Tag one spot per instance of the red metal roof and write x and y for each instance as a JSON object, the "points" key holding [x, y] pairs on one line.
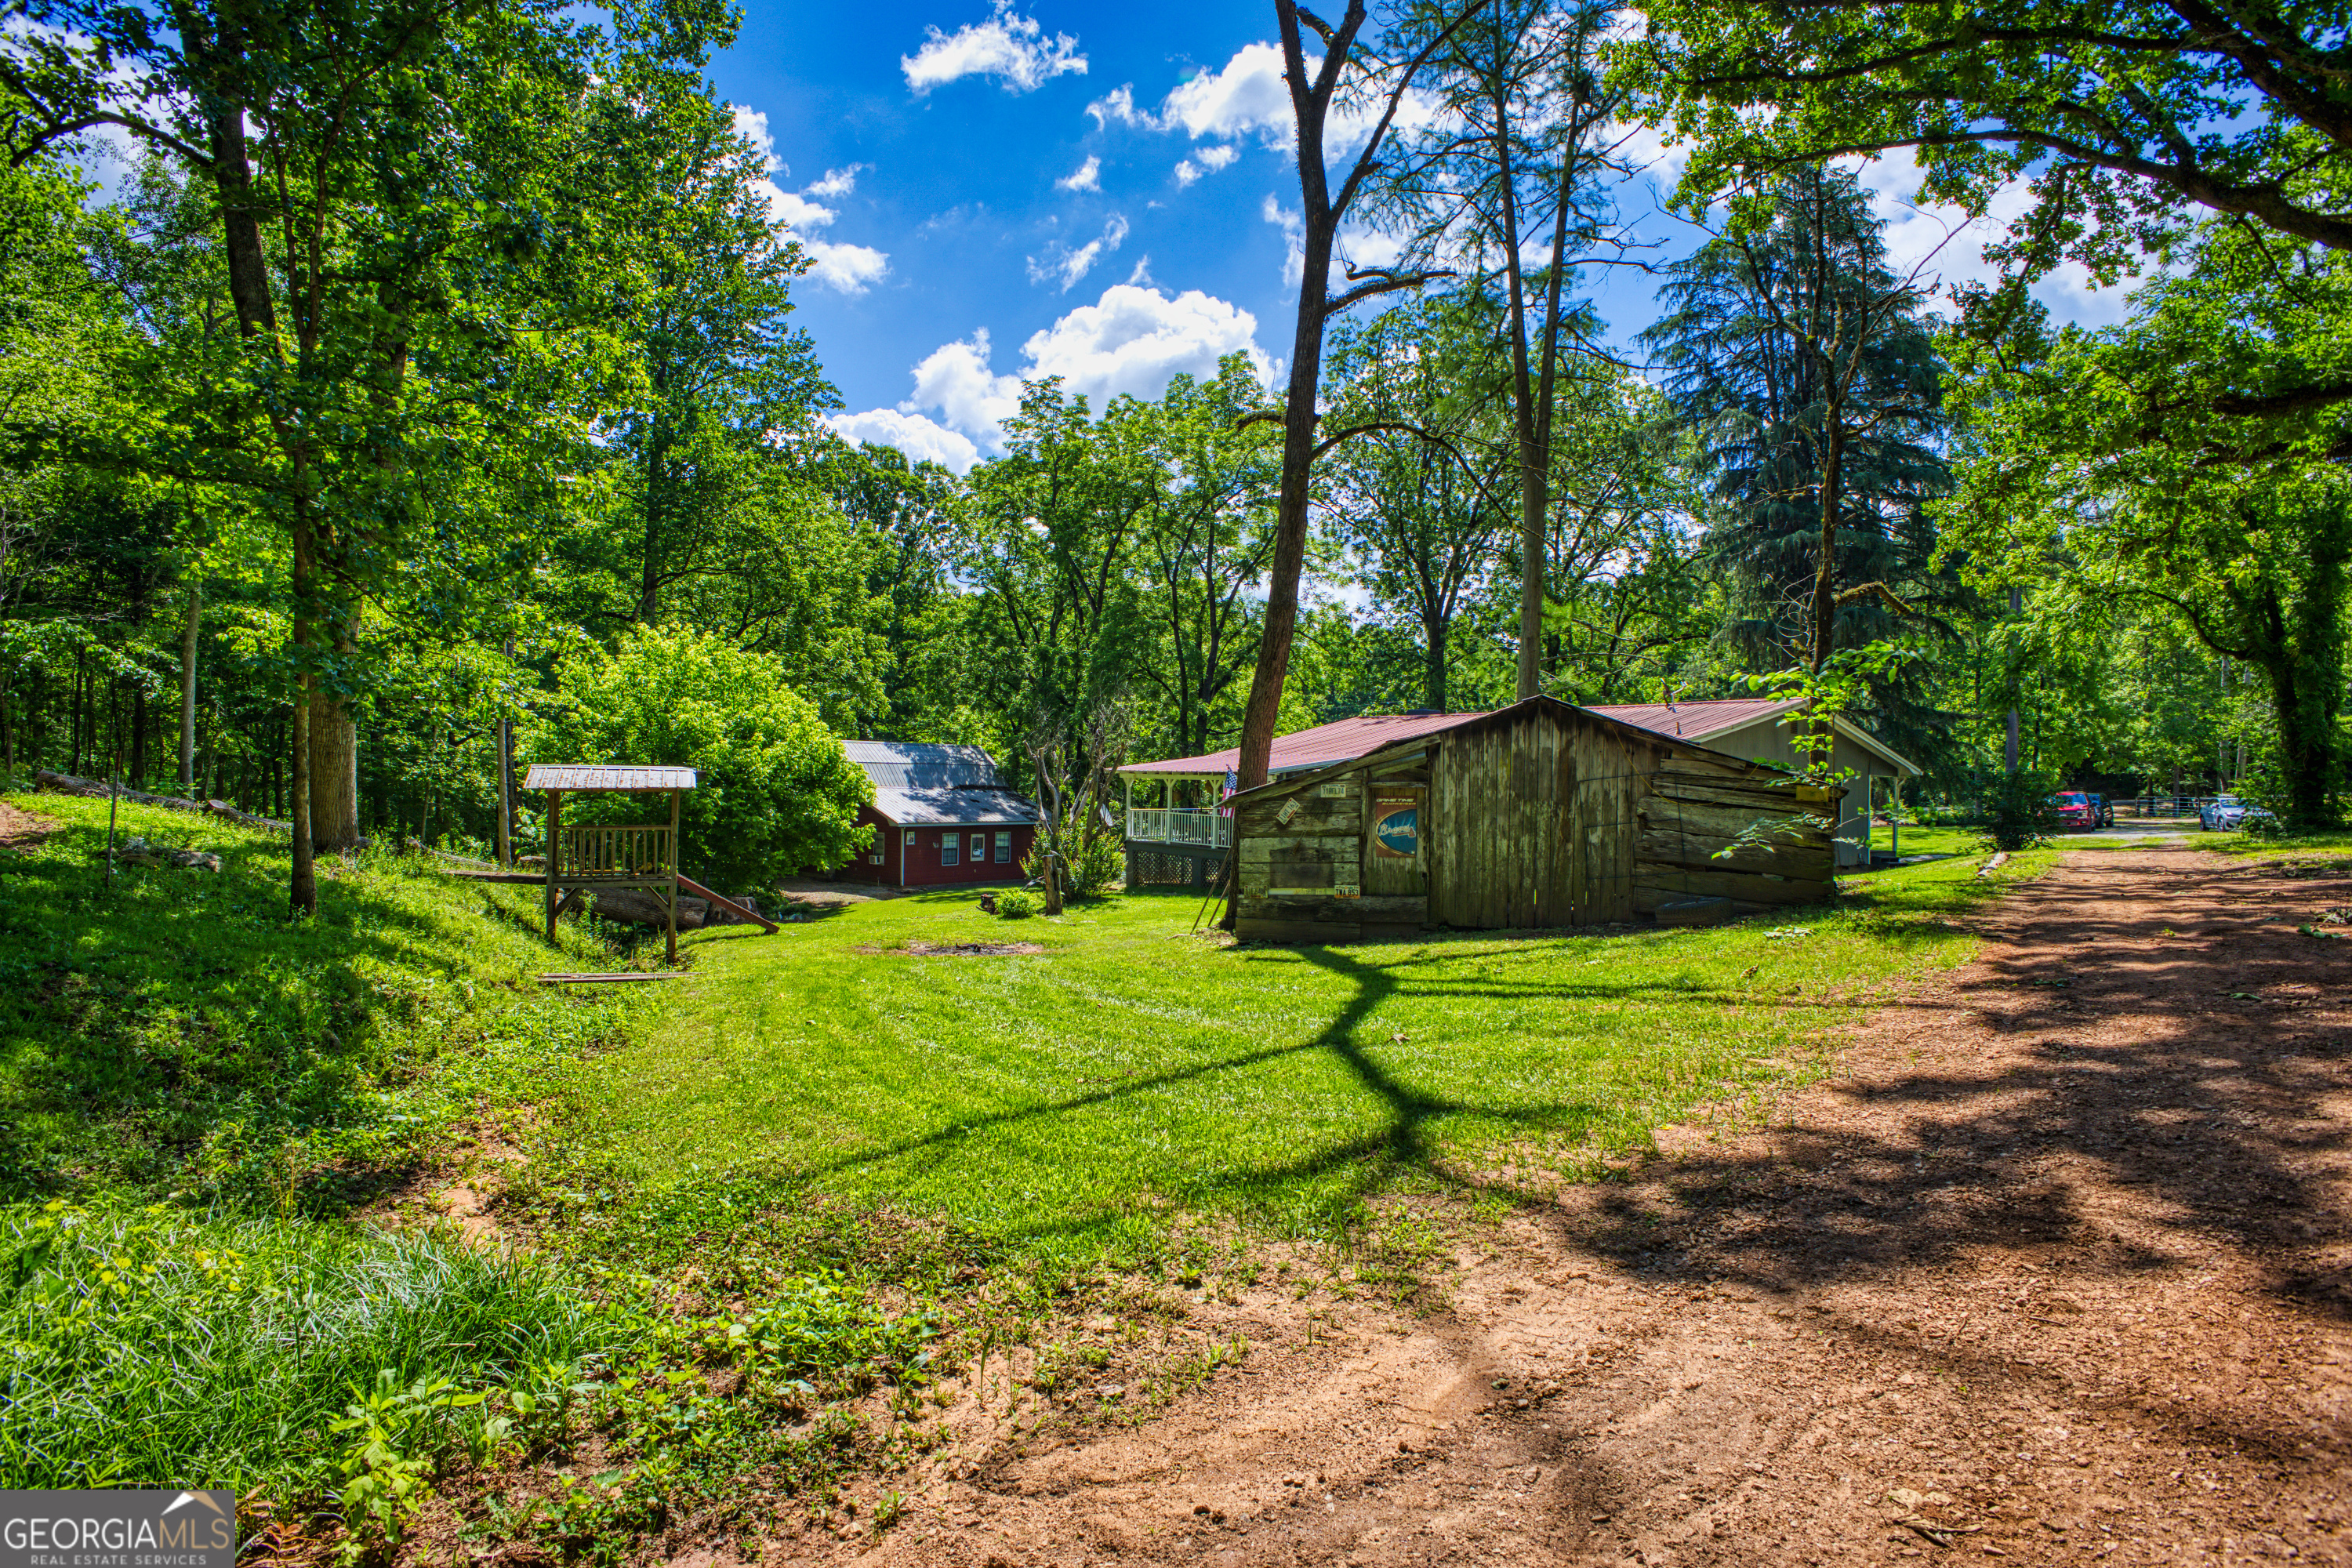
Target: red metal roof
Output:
{"points": [[1338, 741], [1696, 720]]}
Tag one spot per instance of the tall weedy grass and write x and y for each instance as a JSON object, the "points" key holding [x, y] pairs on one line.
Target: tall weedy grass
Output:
{"points": [[146, 1346]]}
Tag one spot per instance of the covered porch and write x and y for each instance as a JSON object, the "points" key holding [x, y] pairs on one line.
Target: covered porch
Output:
{"points": [[1175, 832]]}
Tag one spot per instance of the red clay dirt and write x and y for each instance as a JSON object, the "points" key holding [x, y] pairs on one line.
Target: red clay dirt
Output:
{"points": [[2052, 1269]]}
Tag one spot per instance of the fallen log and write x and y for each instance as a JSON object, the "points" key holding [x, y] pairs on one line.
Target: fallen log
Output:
{"points": [[730, 905], [624, 979], [636, 907], [98, 789]]}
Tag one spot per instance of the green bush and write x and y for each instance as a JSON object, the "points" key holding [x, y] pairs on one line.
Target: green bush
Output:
{"points": [[1092, 857], [1016, 904], [2017, 811], [777, 794]]}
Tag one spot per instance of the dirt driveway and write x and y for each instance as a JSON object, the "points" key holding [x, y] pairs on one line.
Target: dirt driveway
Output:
{"points": [[2054, 1269]]}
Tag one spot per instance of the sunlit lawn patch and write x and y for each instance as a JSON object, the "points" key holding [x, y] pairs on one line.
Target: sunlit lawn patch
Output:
{"points": [[1071, 1101]]}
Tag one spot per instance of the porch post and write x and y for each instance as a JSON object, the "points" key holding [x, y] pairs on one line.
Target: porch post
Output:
{"points": [[554, 852], [672, 958]]}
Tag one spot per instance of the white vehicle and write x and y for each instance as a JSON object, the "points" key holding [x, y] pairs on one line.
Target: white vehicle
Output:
{"points": [[2227, 812]]}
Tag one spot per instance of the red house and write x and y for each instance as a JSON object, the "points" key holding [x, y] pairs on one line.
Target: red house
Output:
{"points": [[942, 817]]}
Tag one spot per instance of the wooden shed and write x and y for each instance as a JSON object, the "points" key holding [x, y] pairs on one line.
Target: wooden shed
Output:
{"points": [[1541, 814]]}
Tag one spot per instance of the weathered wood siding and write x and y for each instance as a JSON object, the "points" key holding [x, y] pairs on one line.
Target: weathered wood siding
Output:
{"points": [[1532, 822], [1700, 803], [1539, 815]]}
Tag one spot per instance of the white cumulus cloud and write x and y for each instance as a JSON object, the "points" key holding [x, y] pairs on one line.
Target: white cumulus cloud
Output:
{"points": [[846, 268], [1248, 94], [1087, 177], [921, 438], [955, 379], [839, 182], [1070, 266], [1118, 108], [1008, 47], [1132, 340], [1207, 161]]}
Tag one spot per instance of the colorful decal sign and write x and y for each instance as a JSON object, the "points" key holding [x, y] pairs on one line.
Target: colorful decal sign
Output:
{"points": [[1396, 830]]}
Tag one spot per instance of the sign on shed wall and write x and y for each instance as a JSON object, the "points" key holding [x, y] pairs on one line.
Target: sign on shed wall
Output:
{"points": [[1396, 825]]}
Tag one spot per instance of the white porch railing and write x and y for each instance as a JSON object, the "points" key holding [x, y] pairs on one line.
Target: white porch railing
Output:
{"points": [[1179, 827]]}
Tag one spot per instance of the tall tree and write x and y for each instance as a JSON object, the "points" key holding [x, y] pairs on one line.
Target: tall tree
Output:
{"points": [[707, 311], [1517, 156], [2156, 462], [1420, 503], [400, 190], [1202, 539], [2131, 120], [1350, 62], [1806, 365]]}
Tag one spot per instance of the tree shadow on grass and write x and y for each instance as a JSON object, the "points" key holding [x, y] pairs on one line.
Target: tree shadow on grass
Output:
{"points": [[1402, 1151]]}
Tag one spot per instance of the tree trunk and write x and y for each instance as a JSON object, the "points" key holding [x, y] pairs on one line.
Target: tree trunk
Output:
{"points": [[1299, 418], [2306, 679], [506, 778], [188, 692], [2009, 756], [138, 736], [302, 889], [334, 759], [73, 717], [1433, 632], [1824, 608]]}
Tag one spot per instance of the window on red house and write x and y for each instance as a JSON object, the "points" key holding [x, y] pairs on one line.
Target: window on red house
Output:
{"points": [[1004, 846], [949, 845], [979, 848]]}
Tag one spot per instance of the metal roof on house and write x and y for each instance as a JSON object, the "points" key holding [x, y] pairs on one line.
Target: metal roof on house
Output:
{"points": [[1341, 740], [1701, 721], [593, 775], [955, 807], [915, 764]]}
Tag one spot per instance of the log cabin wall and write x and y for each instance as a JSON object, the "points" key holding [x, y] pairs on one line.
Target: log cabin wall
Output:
{"points": [[1540, 815], [1699, 803]]}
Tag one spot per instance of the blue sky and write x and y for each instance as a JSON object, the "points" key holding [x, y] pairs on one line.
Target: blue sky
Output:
{"points": [[990, 192]]}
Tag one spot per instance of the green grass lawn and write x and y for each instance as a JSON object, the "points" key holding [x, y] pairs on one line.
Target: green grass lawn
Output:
{"points": [[819, 1156], [176, 1032], [1076, 1099]]}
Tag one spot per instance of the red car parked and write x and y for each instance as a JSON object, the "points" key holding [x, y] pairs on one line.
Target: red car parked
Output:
{"points": [[2075, 809]]}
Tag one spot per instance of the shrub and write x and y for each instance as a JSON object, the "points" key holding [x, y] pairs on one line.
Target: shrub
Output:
{"points": [[1016, 904], [2017, 811], [1092, 857], [777, 792]]}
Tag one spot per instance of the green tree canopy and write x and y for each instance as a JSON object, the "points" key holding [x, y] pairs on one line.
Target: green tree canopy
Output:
{"points": [[777, 794]]}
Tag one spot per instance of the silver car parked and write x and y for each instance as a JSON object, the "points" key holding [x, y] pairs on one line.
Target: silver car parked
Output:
{"points": [[2227, 812]]}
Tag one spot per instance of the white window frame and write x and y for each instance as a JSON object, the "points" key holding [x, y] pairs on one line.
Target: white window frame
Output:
{"points": [[950, 845], [1004, 847]]}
